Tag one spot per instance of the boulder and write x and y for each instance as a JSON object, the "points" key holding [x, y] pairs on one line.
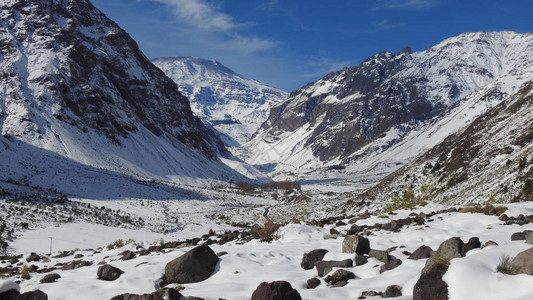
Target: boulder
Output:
{"points": [[451, 248], [76, 264], [277, 290], [33, 295], [360, 260], [162, 294], [523, 262], [473, 243], [313, 283], [489, 243], [356, 244], [380, 255], [392, 291], [430, 285], [194, 266], [49, 278], [33, 257], [127, 255], [109, 273], [529, 237], [324, 267], [520, 236], [338, 276], [9, 290], [421, 252], [311, 258], [392, 264]]}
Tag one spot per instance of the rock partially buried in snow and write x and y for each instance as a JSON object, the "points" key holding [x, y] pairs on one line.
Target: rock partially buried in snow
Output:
{"points": [[393, 291], [162, 294], [338, 276], [430, 285], [421, 253], [277, 290], [33, 295], [311, 258], [451, 248], [324, 267], [356, 244], [194, 266], [523, 262], [9, 289], [109, 273], [49, 278]]}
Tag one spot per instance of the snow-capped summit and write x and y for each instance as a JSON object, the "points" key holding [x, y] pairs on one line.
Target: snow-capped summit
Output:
{"points": [[375, 117], [77, 93], [236, 106]]}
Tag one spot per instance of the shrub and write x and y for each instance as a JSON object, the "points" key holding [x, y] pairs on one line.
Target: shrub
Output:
{"points": [[409, 200], [505, 265], [119, 243], [244, 186], [267, 232], [487, 209]]}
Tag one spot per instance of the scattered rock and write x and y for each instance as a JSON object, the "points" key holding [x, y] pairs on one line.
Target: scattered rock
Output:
{"points": [[489, 243], [49, 278], [365, 294], [79, 255], [523, 262], [451, 248], [313, 283], [75, 264], [430, 285], [127, 255], [324, 267], [520, 236], [162, 294], [194, 266], [421, 252], [9, 290], [356, 244], [380, 255], [33, 257], [360, 260], [109, 273], [219, 254], [473, 243], [340, 284], [194, 298], [392, 264], [277, 290], [33, 295], [339, 275], [310, 259], [393, 291]]}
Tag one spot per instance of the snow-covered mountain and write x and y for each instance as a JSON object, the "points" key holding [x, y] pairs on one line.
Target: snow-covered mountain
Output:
{"points": [[491, 159], [79, 102], [370, 119], [234, 105]]}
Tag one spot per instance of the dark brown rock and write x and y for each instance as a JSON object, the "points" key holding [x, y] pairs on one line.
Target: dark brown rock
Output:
{"points": [[109, 273], [430, 285], [393, 291], [339, 275], [313, 283], [49, 278], [324, 267], [310, 259], [194, 266], [421, 252], [392, 264], [277, 290]]}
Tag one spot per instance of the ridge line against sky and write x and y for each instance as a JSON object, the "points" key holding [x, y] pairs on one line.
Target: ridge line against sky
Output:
{"points": [[287, 44]]}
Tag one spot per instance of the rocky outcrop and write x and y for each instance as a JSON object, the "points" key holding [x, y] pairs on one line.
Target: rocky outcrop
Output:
{"points": [[109, 273], [355, 244], [277, 290]]}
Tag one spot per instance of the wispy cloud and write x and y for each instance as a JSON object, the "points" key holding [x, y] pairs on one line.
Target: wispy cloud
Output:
{"points": [[214, 27], [386, 25], [406, 4]]}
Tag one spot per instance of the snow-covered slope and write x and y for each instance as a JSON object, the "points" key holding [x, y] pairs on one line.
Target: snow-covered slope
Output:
{"points": [[236, 106], [367, 121], [76, 94], [491, 159]]}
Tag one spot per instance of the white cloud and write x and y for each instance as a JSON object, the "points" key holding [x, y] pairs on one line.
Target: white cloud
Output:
{"points": [[407, 4]]}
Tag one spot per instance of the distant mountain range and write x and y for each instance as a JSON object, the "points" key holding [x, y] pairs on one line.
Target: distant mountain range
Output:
{"points": [[234, 105], [364, 122]]}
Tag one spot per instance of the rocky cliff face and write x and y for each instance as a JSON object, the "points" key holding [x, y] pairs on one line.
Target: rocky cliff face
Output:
{"points": [[491, 159], [76, 84], [234, 105], [351, 116]]}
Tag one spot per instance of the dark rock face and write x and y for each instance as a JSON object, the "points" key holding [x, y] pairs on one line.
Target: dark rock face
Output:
{"points": [[313, 283], [194, 266], [310, 259], [360, 260], [356, 244], [473, 243], [392, 291], [430, 285], [324, 267], [34, 295], [9, 295], [277, 290], [421, 253], [49, 278], [109, 273], [523, 262], [127, 255], [338, 276], [33, 257], [392, 264]]}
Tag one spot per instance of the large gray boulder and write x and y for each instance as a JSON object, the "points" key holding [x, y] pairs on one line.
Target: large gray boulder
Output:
{"points": [[109, 273], [451, 248], [356, 244], [422, 252], [277, 290], [194, 266], [523, 262]]}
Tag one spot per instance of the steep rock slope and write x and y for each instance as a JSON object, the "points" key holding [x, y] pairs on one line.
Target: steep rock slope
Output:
{"points": [[236, 106], [77, 90], [357, 118], [491, 159]]}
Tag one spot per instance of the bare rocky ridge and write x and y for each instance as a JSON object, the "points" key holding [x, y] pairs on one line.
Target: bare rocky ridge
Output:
{"points": [[350, 116]]}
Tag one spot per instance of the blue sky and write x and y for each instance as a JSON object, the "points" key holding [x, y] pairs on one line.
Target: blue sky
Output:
{"points": [[288, 43]]}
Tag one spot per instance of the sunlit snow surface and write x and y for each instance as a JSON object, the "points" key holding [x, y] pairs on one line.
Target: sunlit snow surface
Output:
{"points": [[245, 266]]}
